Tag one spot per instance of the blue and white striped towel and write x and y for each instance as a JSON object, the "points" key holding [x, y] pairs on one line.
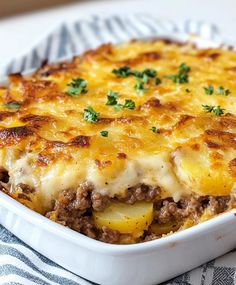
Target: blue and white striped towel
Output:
{"points": [[21, 265]]}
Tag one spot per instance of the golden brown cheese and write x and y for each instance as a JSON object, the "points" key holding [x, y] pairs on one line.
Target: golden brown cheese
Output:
{"points": [[47, 144]]}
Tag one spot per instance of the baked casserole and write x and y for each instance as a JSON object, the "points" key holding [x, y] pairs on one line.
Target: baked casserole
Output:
{"points": [[125, 143]]}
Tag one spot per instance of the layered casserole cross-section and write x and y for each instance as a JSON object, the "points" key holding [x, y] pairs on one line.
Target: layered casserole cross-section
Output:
{"points": [[125, 143]]}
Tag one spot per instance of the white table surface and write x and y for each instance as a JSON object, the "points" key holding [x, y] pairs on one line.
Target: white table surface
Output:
{"points": [[19, 33]]}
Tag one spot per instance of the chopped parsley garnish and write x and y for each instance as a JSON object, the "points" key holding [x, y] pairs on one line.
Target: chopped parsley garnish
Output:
{"points": [[129, 104], [90, 115], [183, 68], [123, 72], [112, 98], [112, 101], [209, 90], [142, 77], [222, 91], [187, 90], [155, 130], [139, 86], [157, 81], [12, 106], [146, 74], [104, 133], [77, 86], [217, 110], [182, 76]]}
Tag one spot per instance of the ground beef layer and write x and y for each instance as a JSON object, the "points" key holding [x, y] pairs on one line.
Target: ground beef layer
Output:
{"points": [[73, 209]]}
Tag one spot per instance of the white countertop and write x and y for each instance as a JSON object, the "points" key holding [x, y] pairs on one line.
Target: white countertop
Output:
{"points": [[20, 33]]}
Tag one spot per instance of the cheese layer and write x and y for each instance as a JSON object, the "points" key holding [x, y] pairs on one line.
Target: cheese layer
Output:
{"points": [[47, 144]]}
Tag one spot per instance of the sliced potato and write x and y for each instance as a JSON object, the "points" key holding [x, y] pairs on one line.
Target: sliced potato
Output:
{"points": [[127, 219], [165, 228]]}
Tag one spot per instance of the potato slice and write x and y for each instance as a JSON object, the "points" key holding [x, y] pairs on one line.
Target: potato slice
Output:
{"points": [[204, 171], [166, 228], [127, 219]]}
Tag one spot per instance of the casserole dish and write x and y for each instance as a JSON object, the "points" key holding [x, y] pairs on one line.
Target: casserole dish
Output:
{"points": [[145, 263], [121, 257]]}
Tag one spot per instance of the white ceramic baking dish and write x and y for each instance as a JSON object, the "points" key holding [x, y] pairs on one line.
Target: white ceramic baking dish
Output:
{"points": [[145, 263]]}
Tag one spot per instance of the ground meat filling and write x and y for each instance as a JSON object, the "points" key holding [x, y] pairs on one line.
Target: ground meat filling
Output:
{"points": [[167, 211], [140, 192], [73, 208], [99, 202]]}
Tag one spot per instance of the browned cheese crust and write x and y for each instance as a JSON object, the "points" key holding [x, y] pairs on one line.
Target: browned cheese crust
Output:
{"points": [[150, 121]]}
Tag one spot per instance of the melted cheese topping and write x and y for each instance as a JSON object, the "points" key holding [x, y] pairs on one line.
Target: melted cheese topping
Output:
{"points": [[48, 145]]}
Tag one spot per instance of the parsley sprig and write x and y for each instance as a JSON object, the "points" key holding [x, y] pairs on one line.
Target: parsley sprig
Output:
{"points": [[77, 86], [217, 110], [142, 77], [209, 90], [123, 71], [112, 101], [155, 130], [182, 76], [129, 104], [139, 86], [11, 106], [104, 133], [112, 98], [220, 91], [90, 115]]}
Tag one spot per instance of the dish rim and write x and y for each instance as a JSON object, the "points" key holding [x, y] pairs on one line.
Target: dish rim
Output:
{"points": [[121, 249]]}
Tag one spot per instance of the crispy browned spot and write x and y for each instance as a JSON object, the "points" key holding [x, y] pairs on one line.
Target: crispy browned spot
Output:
{"points": [[5, 114], [221, 139], [153, 102], [216, 155], [25, 188], [14, 77], [34, 118], [166, 41], [43, 160], [195, 146], [23, 196], [227, 121], [183, 119], [101, 51], [232, 167], [36, 121], [106, 120], [48, 70], [211, 144], [32, 89], [127, 119], [14, 135], [121, 155], [80, 141], [102, 164], [209, 54]]}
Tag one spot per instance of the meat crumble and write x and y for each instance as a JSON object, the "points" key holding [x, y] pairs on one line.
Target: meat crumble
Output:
{"points": [[74, 209]]}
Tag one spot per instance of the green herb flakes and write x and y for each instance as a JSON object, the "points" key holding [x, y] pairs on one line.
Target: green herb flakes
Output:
{"points": [[77, 86], [90, 115]]}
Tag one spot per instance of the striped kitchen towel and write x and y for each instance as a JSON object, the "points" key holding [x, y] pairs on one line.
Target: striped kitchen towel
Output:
{"points": [[75, 37], [21, 265]]}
